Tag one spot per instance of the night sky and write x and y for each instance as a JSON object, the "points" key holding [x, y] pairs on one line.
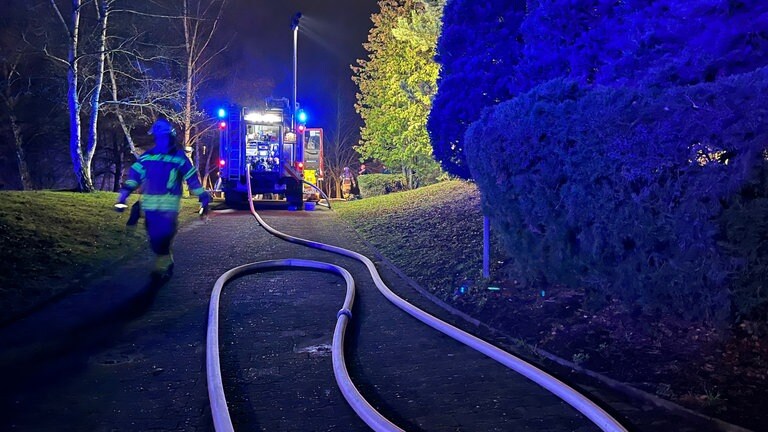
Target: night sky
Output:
{"points": [[331, 35]]}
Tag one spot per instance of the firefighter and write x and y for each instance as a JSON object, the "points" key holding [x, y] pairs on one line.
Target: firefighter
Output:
{"points": [[346, 182], [160, 172]]}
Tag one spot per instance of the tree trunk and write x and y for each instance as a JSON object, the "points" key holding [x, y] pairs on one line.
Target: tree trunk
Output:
{"points": [[408, 174], [190, 42], [118, 160], [120, 118], [82, 175], [21, 159], [99, 81], [208, 170]]}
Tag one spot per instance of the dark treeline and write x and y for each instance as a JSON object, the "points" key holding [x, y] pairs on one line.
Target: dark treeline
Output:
{"points": [[82, 81]]}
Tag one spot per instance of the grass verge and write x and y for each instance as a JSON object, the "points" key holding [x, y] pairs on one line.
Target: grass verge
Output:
{"points": [[434, 233], [50, 242]]}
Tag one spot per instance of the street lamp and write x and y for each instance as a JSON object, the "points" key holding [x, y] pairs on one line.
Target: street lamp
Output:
{"points": [[295, 28]]}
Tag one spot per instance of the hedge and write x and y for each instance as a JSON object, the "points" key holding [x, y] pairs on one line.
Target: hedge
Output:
{"points": [[656, 197]]}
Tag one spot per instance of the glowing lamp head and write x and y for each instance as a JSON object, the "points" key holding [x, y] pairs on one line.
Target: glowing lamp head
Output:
{"points": [[222, 125], [222, 162], [222, 113], [301, 128], [302, 116]]}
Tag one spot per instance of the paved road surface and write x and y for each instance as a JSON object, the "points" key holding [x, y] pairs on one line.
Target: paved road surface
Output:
{"points": [[128, 357]]}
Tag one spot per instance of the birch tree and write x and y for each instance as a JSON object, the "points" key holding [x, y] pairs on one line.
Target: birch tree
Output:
{"points": [[71, 28], [102, 13], [139, 73], [136, 93], [82, 156]]}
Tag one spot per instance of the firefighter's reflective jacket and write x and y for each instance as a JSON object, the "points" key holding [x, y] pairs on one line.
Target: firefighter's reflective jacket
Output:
{"points": [[160, 175]]}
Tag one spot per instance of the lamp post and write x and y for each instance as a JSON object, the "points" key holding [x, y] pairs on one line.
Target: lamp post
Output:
{"points": [[295, 28]]}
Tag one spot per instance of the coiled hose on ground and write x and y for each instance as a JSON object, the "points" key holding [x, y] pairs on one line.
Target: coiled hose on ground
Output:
{"points": [[370, 416]]}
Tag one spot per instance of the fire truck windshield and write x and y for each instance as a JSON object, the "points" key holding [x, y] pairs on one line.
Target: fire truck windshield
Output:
{"points": [[264, 133], [263, 146]]}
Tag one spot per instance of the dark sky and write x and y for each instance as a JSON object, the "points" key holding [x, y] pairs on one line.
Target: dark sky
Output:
{"points": [[330, 39]]}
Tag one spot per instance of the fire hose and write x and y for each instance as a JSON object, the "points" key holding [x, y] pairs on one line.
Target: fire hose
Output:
{"points": [[364, 410], [293, 174]]}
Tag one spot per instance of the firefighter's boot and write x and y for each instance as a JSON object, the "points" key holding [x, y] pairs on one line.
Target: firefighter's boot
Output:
{"points": [[163, 267]]}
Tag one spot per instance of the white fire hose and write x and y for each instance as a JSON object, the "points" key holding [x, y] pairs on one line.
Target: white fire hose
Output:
{"points": [[371, 417]]}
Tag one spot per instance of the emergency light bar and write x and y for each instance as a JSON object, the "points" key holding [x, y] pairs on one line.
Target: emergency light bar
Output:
{"points": [[258, 117]]}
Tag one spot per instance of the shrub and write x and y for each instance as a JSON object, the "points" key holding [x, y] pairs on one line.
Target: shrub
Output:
{"points": [[478, 50], [380, 184], [491, 51], [645, 195]]}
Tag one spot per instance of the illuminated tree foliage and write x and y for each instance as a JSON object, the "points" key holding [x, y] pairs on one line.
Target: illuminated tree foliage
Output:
{"points": [[396, 84], [629, 156]]}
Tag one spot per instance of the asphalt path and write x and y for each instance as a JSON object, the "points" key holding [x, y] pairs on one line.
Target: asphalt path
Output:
{"points": [[126, 355]]}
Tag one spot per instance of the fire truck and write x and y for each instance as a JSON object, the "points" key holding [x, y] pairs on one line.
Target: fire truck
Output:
{"points": [[262, 139]]}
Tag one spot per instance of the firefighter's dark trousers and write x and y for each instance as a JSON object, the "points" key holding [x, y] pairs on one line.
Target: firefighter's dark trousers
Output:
{"points": [[161, 228]]}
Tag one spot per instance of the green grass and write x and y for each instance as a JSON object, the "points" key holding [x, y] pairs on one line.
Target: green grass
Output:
{"points": [[50, 241], [433, 233]]}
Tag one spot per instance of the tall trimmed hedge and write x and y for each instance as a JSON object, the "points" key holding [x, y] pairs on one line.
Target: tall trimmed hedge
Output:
{"points": [[657, 197]]}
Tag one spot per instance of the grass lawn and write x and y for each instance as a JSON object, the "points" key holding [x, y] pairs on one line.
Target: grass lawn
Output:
{"points": [[434, 233], [50, 240]]}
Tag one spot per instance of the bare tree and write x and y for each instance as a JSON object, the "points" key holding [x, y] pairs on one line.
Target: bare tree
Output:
{"points": [[14, 88], [200, 19], [82, 157], [114, 91], [102, 14], [338, 150], [90, 67], [137, 92], [130, 67], [72, 62]]}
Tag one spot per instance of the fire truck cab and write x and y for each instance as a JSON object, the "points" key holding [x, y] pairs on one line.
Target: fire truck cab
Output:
{"points": [[262, 140]]}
